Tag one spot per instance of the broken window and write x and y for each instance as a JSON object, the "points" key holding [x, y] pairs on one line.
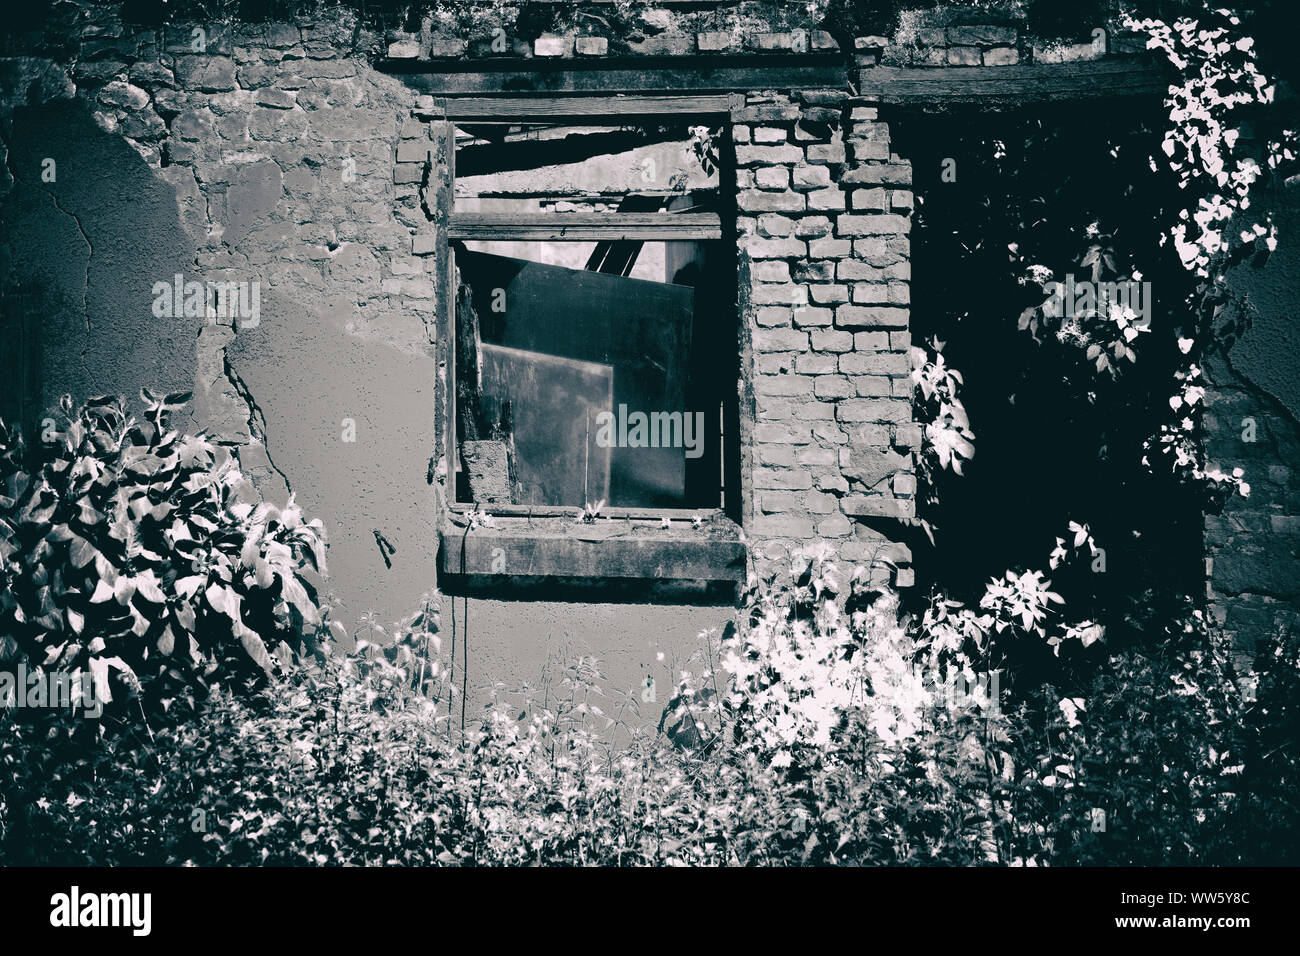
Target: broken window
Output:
{"points": [[595, 321]]}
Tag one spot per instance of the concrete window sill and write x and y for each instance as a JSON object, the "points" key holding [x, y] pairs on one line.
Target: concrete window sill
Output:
{"points": [[609, 548]]}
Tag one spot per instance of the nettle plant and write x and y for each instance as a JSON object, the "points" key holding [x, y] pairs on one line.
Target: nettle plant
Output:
{"points": [[1211, 153], [802, 661], [1105, 319], [1204, 147], [949, 441], [814, 659], [144, 557], [845, 731]]}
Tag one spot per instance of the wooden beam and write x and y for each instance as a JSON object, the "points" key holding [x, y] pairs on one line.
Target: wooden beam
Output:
{"points": [[443, 184], [585, 226], [647, 556], [1029, 83], [511, 109], [461, 508], [657, 74]]}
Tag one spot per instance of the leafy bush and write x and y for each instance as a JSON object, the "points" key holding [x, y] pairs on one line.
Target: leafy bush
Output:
{"points": [[141, 559], [354, 759], [1139, 762], [143, 556], [826, 730]]}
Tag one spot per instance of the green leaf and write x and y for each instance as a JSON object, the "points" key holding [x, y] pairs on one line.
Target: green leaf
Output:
{"points": [[146, 586], [223, 600], [256, 649], [81, 552], [123, 590], [187, 586], [296, 595]]}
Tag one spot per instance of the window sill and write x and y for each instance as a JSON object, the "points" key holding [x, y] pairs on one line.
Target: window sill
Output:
{"points": [[608, 548]]}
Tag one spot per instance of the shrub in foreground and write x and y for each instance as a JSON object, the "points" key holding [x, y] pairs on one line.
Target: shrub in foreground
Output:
{"points": [[354, 760], [138, 568]]}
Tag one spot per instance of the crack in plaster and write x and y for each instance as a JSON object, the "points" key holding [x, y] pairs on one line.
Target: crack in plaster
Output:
{"points": [[256, 417], [81, 230]]}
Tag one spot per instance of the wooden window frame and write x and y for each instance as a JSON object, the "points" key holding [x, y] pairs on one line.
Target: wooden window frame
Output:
{"points": [[710, 559]]}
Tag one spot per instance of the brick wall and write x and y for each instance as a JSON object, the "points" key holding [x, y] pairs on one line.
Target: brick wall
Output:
{"points": [[823, 220], [943, 37], [297, 164], [1253, 547]]}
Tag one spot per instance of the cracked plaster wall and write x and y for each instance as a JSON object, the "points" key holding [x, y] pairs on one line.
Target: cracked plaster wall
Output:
{"points": [[1253, 547], [84, 240], [269, 158]]}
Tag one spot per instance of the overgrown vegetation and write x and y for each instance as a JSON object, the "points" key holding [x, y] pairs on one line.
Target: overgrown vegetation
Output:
{"points": [[829, 734], [1027, 715], [1163, 200], [143, 556]]}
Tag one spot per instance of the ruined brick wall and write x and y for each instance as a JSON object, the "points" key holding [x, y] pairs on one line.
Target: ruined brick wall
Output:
{"points": [[287, 159], [953, 36], [279, 155], [823, 229], [1252, 422], [270, 150], [728, 26], [299, 166], [1253, 547]]}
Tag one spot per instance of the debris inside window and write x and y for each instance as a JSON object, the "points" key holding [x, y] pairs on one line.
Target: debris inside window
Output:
{"points": [[587, 368], [503, 168], [575, 385]]}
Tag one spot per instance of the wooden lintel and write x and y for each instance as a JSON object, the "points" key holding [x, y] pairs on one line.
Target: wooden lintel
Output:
{"points": [[586, 226], [505, 109], [697, 74], [1028, 83]]}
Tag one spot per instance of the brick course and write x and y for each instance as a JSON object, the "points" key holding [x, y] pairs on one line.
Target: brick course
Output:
{"points": [[833, 437]]}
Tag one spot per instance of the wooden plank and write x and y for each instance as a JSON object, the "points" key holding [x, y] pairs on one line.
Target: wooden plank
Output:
{"points": [[641, 74], [511, 109], [443, 182], [557, 511], [631, 556], [586, 226], [1026, 83]]}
